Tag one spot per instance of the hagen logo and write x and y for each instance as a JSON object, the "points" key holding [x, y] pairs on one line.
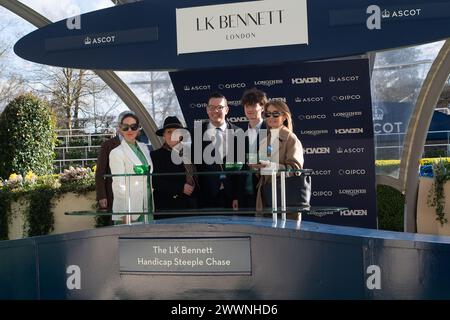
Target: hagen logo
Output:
{"points": [[349, 131], [197, 88], [99, 40], [354, 212], [317, 150], [237, 119], [310, 80]]}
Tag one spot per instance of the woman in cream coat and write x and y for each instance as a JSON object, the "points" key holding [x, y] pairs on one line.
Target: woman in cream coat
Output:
{"points": [[130, 193], [286, 150]]}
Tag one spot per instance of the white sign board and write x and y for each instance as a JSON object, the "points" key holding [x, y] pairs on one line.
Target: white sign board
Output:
{"points": [[242, 25]]}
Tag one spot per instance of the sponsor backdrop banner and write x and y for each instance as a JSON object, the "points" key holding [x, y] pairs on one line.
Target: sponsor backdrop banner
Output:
{"points": [[331, 109]]}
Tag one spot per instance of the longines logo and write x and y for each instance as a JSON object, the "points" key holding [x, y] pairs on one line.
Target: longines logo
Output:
{"points": [[349, 150], [99, 40], [308, 99], [343, 79], [198, 105], [354, 212], [352, 172], [321, 172], [240, 20], [323, 193], [312, 117], [268, 83], [313, 132], [197, 88], [347, 115], [241, 85], [309, 80], [317, 150], [348, 97], [352, 192], [349, 131]]}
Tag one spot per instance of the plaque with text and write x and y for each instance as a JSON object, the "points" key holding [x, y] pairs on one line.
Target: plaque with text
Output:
{"points": [[185, 255]]}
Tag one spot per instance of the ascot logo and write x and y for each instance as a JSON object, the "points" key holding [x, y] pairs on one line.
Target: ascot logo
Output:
{"points": [[232, 86], [310, 80], [99, 40], [376, 15], [308, 100], [268, 83], [317, 150], [349, 150], [344, 79], [321, 173], [197, 88]]}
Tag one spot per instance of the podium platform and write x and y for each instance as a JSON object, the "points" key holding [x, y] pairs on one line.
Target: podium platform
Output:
{"points": [[226, 257]]}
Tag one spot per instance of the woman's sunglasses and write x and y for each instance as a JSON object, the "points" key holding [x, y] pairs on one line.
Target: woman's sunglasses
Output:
{"points": [[274, 114], [126, 127]]}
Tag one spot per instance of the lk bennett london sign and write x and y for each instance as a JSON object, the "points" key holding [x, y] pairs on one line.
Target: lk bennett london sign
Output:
{"points": [[179, 34]]}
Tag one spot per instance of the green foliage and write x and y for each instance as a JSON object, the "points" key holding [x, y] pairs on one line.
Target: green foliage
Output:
{"points": [[390, 203], [436, 197], [27, 137], [39, 215], [5, 213]]}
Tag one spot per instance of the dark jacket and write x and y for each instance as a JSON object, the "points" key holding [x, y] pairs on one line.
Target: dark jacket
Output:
{"points": [[210, 184], [103, 186], [168, 190]]}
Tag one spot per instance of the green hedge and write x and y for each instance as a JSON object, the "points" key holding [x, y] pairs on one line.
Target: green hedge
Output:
{"points": [[390, 203]]}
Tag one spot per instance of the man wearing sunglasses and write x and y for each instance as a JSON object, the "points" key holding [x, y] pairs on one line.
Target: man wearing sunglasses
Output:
{"points": [[216, 190]]}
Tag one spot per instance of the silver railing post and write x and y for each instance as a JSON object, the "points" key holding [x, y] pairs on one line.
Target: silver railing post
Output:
{"points": [[274, 196], [128, 218], [283, 194]]}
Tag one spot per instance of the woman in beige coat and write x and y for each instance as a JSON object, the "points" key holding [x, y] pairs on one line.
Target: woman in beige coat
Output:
{"points": [[281, 146]]}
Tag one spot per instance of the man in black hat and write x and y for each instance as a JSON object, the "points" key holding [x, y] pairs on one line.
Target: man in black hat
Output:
{"points": [[173, 192]]}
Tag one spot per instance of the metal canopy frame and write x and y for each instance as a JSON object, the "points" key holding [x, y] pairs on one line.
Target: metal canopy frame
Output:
{"points": [[407, 183]]}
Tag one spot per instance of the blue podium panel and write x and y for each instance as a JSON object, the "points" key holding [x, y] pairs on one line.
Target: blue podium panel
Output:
{"points": [[259, 259], [18, 273]]}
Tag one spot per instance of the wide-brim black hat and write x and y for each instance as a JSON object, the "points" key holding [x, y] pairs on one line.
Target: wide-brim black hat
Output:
{"points": [[170, 122]]}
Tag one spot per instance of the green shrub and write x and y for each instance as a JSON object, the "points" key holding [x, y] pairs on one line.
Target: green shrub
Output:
{"points": [[27, 137], [390, 203]]}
